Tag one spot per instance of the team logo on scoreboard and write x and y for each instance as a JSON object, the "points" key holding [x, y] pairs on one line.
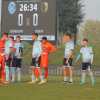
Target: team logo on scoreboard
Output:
{"points": [[12, 8], [44, 7]]}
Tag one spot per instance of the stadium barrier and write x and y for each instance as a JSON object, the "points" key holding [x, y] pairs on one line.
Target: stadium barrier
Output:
{"points": [[57, 70]]}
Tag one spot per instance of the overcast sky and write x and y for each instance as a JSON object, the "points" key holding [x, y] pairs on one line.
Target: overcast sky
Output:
{"points": [[0, 6], [91, 9]]}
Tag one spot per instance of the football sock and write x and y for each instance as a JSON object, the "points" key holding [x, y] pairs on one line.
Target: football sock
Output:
{"points": [[92, 77], [7, 73], [65, 79], [83, 78], [19, 74]]}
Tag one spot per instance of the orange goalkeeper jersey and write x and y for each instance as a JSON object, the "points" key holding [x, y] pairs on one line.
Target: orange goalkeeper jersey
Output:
{"points": [[2, 44], [46, 49]]}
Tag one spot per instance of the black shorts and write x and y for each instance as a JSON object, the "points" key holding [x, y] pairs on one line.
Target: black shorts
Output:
{"points": [[35, 62], [85, 66], [14, 62], [9, 61], [70, 62], [17, 62]]}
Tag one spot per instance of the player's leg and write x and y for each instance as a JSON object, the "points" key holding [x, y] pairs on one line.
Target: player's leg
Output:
{"points": [[91, 75], [42, 77], [83, 73], [7, 70], [33, 69], [46, 73], [13, 71], [18, 70], [65, 70], [83, 76], [42, 74], [70, 75], [42, 70], [0, 73], [3, 74], [18, 65], [38, 61], [33, 78], [37, 74], [2, 70], [70, 70]]}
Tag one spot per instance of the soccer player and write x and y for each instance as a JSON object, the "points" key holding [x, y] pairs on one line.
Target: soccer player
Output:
{"points": [[68, 58], [17, 59], [47, 48], [86, 53], [2, 56], [8, 49], [36, 56], [2, 66]]}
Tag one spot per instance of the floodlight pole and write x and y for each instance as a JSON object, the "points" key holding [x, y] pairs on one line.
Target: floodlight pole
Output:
{"points": [[57, 26]]}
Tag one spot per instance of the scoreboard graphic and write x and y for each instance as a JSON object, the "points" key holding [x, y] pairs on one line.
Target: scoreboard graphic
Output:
{"points": [[22, 17]]}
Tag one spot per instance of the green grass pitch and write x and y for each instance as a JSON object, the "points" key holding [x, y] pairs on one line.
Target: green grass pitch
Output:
{"points": [[55, 89]]}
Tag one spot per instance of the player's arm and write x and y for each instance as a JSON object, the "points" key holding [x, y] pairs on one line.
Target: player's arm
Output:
{"points": [[70, 55], [40, 50], [0, 66], [78, 57], [21, 49], [0, 62], [71, 52], [11, 47], [92, 55], [52, 48]]}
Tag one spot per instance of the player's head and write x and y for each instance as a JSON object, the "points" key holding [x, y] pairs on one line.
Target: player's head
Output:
{"points": [[67, 38], [1, 50], [11, 38], [34, 36], [4, 36], [44, 39], [18, 39], [84, 42]]}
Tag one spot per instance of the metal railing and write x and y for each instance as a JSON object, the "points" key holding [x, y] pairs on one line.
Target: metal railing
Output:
{"points": [[58, 71]]}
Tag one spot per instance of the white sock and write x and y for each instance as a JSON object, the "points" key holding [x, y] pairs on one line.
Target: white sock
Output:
{"points": [[7, 73], [91, 76], [42, 77], [65, 78], [19, 74], [71, 79], [13, 78], [33, 77], [83, 77]]}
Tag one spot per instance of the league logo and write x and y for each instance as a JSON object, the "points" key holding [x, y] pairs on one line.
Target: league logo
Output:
{"points": [[11, 8], [44, 7]]}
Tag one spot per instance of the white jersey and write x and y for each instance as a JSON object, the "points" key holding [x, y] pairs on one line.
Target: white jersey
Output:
{"points": [[87, 54], [8, 44], [37, 49], [69, 46], [18, 47]]}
